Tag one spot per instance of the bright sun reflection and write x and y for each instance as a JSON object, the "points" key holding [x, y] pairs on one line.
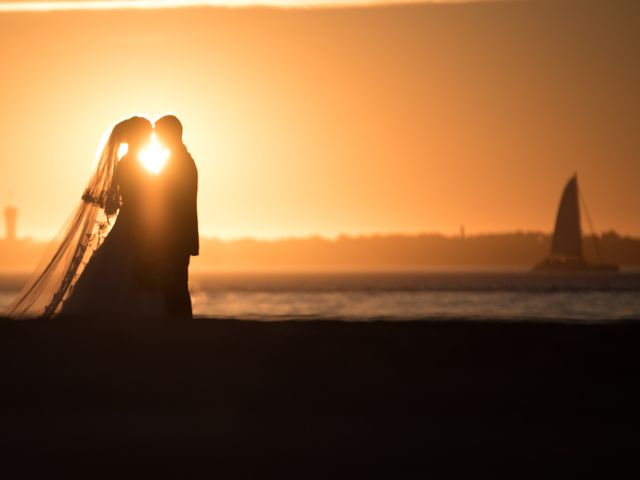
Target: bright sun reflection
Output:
{"points": [[122, 150], [154, 156]]}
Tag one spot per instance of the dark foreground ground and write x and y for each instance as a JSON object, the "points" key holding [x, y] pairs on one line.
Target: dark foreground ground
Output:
{"points": [[146, 399]]}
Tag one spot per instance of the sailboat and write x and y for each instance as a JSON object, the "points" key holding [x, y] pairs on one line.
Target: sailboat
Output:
{"points": [[566, 245]]}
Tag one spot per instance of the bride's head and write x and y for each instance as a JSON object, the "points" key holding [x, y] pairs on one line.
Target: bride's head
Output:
{"points": [[135, 132]]}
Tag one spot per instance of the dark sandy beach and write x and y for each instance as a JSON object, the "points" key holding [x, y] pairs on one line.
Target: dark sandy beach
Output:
{"points": [[151, 398]]}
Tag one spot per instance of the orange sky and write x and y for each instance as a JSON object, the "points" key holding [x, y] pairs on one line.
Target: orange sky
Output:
{"points": [[328, 121], [67, 5]]}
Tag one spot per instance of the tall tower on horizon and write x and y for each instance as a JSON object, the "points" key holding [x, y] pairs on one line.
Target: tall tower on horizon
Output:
{"points": [[10, 219]]}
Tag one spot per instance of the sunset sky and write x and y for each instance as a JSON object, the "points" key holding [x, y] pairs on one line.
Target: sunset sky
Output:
{"points": [[411, 118]]}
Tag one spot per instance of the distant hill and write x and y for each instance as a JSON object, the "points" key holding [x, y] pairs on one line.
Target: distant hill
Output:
{"points": [[520, 249], [404, 251]]}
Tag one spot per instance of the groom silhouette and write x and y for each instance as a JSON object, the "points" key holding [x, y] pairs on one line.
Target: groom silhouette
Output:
{"points": [[179, 180]]}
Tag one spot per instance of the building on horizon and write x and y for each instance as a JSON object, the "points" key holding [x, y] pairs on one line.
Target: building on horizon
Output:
{"points": [[10, 223]]}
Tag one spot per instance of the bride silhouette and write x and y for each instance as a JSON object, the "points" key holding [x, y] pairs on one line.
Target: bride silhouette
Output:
{"points": [[101, 267]]}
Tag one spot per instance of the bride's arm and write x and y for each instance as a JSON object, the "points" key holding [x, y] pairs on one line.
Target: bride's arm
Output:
{"points": [[112, 202]]}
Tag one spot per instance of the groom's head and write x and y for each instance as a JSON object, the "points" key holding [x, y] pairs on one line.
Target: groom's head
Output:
{"points": [[169, 130]]}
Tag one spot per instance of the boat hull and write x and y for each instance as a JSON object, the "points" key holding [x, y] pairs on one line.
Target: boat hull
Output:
{"points": [[572, 266]]}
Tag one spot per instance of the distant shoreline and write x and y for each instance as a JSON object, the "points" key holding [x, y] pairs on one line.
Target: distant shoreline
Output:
{"points": [[372, 252]]}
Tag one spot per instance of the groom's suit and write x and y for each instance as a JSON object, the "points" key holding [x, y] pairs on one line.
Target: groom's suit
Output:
{"points": [[180, 240]]}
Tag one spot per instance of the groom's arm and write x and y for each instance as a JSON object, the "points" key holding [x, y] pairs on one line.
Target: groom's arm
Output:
{"points": [[193, 207]]}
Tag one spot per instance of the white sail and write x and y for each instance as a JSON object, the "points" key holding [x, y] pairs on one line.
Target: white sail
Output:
{"points": [[567, 236]]}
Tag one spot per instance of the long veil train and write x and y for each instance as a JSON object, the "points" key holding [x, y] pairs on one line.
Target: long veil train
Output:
{"points": [[54, 278]]}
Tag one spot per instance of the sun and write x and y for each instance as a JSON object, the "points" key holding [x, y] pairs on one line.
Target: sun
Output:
{"points": [[154, 156]]}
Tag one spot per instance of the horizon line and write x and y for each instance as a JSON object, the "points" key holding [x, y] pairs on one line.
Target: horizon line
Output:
{"points": [[98, 5], [334, 238]]}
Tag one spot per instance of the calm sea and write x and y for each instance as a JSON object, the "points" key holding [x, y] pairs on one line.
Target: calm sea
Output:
{"points": [[503, 296]]}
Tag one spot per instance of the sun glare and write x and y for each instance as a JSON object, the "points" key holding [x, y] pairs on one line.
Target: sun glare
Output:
{"points": [[154, 156], [122, 150]]}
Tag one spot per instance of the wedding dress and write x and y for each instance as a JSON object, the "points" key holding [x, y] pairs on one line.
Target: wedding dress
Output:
{"points": [[95, 268], [115, 280]]}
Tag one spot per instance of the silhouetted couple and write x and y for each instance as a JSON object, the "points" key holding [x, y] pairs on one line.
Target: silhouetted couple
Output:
{"points": [[140, 265]]}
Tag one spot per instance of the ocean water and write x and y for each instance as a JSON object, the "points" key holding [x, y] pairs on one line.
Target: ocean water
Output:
{"points": [[499, 295]]}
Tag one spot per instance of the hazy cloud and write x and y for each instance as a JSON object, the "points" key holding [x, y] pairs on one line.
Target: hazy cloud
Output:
{"points": [[65, 5]]}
